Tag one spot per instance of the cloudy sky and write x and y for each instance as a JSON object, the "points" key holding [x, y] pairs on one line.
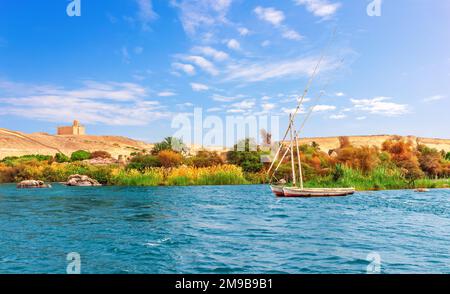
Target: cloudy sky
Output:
{"points": [[127, 67]]}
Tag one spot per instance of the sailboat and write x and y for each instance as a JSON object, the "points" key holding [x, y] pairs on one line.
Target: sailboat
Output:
{"points": [[280, 189]]}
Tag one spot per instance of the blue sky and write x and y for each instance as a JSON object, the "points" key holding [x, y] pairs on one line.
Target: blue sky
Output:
{"points": [[127, 67]]}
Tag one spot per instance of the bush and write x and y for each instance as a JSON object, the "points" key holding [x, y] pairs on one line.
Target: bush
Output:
{"points": [[338, 172], [205, 159], [169, 143], [8, 173], [143, 162], [250, 161], [169, 158], [60, 158], [100, 154], [12, 160], [80, 155]]}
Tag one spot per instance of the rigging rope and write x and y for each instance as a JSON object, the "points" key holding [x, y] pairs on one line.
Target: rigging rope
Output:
{"points": [[300, 101]]}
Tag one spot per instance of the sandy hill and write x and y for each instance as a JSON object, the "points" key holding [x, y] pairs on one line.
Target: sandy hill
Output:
{"points": [[329, 143], [14, 143]]}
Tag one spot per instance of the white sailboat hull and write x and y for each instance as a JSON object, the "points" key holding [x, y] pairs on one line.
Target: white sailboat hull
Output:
{"points": [[277, 190], [317, 192]]}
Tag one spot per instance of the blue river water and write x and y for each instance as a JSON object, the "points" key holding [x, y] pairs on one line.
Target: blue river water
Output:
{"points": [[221, 229]]}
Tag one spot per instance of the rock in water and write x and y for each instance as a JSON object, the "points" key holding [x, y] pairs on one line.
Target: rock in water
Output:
{"points": [[421, 190], [81, 181], [32, 184]]}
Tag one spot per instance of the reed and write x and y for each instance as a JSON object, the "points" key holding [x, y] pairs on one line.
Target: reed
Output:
{"points": [[432, 183], [214, 175], [380, 178], [122, 177]]}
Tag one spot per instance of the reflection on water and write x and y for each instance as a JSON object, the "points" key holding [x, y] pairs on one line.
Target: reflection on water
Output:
{"points": [[232, 229]]}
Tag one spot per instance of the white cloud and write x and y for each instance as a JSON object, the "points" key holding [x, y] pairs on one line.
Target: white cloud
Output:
{"points": [[276, 18], [125, 55], [211, 52], [255, 72], [265, 98], [203, 63], [202, 14], [292, 35], [197, 87], [221, 98], [295, 98], [235, 110], [380, 106], [185, 105], [361, 118], [434, 98], [268, 106], [270, 14], [109, 103], [187, 68], [243, 31], [265, 43], [292, 110], [233, 44], [213, 109], [320, 8], [138, 50], [320, 108], [166, 94], [146, 13], [340, 94], [338, 116], [245, 104]]}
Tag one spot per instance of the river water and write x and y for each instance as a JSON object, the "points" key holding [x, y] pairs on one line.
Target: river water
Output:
{"points": [[222, 229]]}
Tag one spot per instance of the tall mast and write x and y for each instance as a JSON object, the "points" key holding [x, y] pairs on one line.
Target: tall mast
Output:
{"points": [[292, 151], [300, 102], [299, 161]]}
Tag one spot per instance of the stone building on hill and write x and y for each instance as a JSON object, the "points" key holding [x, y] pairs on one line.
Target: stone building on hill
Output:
{"points": [[75, 130]]}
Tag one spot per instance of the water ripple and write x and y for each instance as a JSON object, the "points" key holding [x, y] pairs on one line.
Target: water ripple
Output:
{"points": [[235, 229]]}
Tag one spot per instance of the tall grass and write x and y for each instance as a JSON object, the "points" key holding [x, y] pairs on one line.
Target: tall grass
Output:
{"points": [[214, 175], [122, 177], [379, 179], [432, 183], [382, 177]]}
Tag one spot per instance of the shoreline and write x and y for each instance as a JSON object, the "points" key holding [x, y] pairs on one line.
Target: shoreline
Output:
{"points": [[225, 185]]}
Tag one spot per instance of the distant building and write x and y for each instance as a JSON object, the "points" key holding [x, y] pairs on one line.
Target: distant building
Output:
{"points": [[75, 130]]}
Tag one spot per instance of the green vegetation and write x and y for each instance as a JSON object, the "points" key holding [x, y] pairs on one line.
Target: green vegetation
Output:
{"points": [[132, 177], [11, 159], [397, 165], [60, 157], [243, 155], [80, 155], [169, 143], [142, 162]]}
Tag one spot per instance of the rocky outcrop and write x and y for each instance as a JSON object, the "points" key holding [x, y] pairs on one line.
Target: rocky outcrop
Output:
{"points": [[28, 184], [81, 181]]}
